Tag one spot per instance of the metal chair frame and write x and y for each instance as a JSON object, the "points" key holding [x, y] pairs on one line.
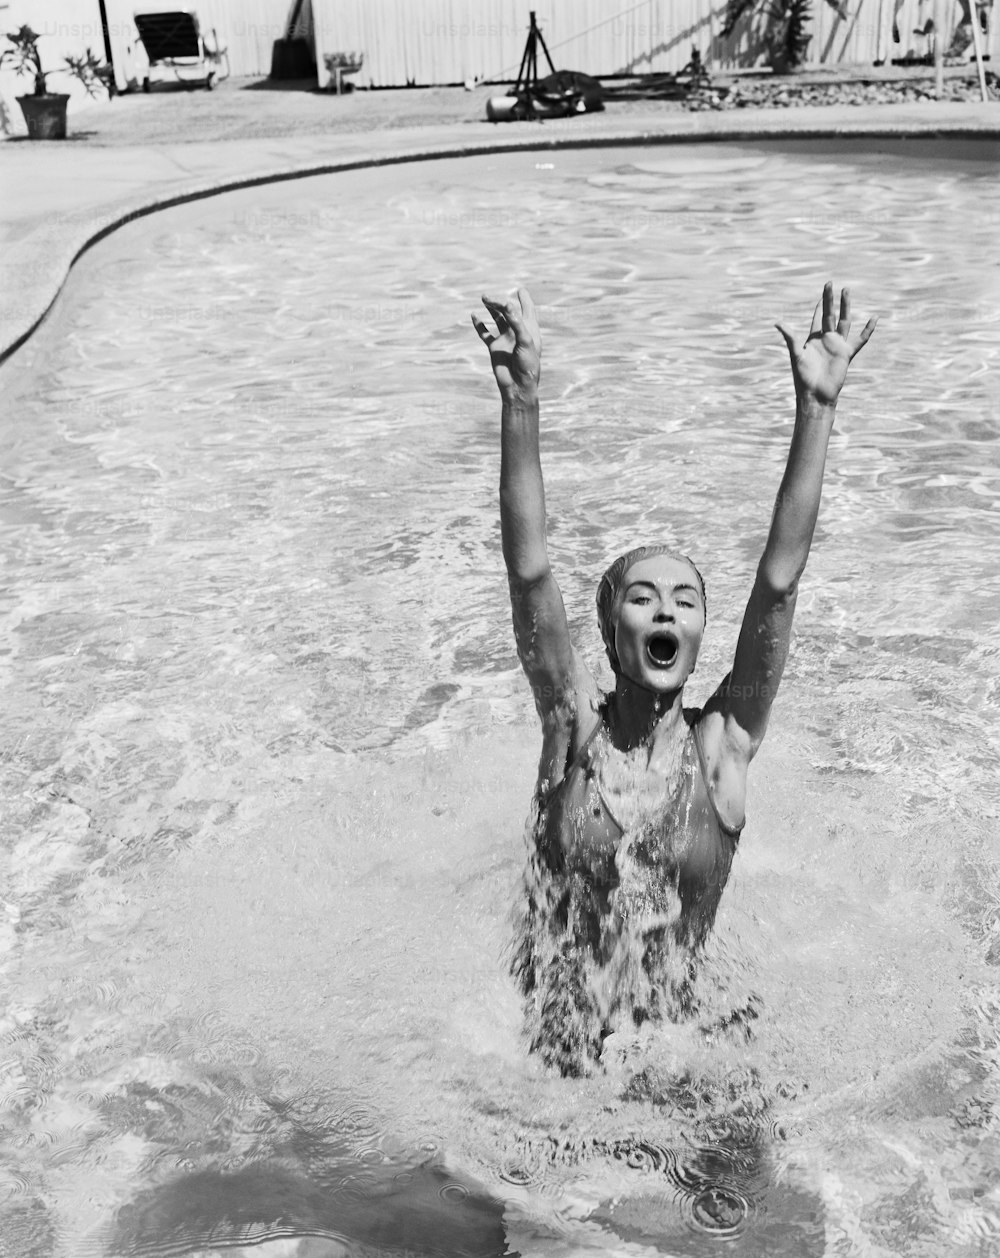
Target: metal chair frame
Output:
{"points": [[173, 41]]}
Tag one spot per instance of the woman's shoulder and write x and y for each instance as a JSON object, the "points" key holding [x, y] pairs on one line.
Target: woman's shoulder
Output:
{"points": [[712, 713]]}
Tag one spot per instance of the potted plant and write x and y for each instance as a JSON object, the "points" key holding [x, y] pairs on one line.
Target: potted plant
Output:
{"points": [[45, 111]]}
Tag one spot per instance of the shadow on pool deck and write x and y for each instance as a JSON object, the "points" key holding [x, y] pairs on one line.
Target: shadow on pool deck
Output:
{"points": [[281, 85]]}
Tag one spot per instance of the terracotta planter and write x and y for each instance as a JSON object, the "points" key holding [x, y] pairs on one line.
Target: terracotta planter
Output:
{"points": [[45, 116]]}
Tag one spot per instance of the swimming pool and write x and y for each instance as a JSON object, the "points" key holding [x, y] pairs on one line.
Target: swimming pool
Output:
{"points": [[267, 751]]}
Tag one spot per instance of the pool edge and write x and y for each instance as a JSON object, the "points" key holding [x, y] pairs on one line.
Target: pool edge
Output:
{"points": [[38, 266]]}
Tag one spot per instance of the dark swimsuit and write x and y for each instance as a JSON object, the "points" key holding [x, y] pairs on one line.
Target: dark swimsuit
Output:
{"points": [[615, 915]]}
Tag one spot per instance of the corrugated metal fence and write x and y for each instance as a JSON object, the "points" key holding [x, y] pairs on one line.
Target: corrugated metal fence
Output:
{"points": [[453, 41]]}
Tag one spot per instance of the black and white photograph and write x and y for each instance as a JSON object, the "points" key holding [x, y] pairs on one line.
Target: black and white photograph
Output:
{"points": [[500, 629]]}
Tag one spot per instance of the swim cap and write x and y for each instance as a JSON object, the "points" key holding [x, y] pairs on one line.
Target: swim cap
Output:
{"points": [[613, 581]]}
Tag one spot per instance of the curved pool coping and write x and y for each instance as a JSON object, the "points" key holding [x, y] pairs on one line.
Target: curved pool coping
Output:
{"points": [[99, 190]]}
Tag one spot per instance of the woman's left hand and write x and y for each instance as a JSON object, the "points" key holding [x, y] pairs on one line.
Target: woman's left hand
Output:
{"points": [[819, 368]]}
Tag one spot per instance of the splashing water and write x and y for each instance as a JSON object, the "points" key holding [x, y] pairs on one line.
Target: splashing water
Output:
{"points": [[267, 753]]}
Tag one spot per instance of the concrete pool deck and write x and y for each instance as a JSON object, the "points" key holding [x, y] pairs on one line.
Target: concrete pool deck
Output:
{"points": [[59, 198]]}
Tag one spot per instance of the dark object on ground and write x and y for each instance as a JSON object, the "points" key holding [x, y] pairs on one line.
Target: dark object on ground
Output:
{"points": [[581, 92], [292, 58], [693, 78], [561, 93]]}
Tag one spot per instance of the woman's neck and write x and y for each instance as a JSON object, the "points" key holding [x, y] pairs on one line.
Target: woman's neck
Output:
{"points": [[636, 714]]}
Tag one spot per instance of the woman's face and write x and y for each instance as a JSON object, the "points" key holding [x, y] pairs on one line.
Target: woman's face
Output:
{"points": [[660, 623]]}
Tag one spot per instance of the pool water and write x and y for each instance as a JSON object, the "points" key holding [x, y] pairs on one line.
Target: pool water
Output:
{"points": [[267, 752]]}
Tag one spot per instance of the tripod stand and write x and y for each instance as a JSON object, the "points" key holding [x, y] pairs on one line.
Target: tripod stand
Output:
{"points": [[527, 76]]}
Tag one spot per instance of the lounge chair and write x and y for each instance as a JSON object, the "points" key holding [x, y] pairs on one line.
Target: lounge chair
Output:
{"points": [[173, 42]]}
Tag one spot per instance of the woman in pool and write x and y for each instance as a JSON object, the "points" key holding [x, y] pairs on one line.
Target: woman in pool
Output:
{"points": [[639, 802]]}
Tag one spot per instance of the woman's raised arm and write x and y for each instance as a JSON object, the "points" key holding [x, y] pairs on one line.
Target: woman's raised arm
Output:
{"points": [[819, 368], [540, 627]]}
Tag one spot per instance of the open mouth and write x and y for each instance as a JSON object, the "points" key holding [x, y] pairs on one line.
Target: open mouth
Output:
{"points": [[662, 649]]}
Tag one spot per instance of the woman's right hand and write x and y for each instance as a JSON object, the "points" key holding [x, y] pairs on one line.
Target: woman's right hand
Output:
{"points": [[516, 345]]}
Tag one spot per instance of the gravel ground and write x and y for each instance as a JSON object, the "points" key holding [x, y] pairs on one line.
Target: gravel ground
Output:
{"points": [[241, 109], [788, 92]]}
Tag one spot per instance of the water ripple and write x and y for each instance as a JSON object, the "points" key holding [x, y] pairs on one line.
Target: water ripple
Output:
{"points": [[253, 601]]}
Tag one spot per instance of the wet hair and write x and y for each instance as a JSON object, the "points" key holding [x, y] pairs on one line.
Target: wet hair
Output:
{"points": [[613, 582]]}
